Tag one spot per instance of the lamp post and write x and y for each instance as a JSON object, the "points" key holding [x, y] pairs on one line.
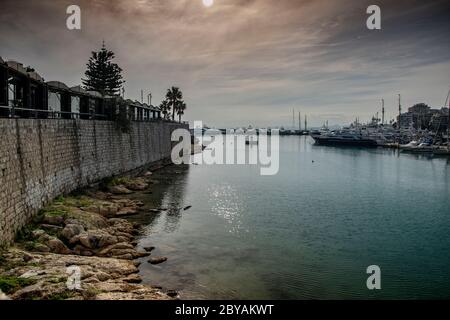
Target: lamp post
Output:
{"points": [[149, 98]]}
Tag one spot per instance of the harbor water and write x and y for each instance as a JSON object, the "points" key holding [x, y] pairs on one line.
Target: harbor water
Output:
{"points": [[309, 232]]}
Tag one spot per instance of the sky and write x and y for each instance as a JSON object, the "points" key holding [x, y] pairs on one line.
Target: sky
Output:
{"points": [[241, 62]]}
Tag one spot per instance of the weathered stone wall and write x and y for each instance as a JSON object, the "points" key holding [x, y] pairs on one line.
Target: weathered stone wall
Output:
{"points": [[41, 159]]}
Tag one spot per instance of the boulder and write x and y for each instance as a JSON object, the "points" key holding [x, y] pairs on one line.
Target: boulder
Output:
{"points": [[94, 239], [108, 210], [107, 240], [172, 293], [124, 238], [101, 195], [127, 211], [138, 203], [121, 252], [53, 220], [107, 251], [149, 249], [71, 230], [57, 246], [39, 247], [82, 251], [127, 256], [51, 228], [38, 234], [88, 240], [133, 278], [32, 274], [27, 257], [137, 184], [140, 254], [102, 276], [119, 189], [157, 260], [35, 291]]}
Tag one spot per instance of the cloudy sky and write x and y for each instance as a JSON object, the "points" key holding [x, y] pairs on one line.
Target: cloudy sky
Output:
{"points": [[243, 62]]}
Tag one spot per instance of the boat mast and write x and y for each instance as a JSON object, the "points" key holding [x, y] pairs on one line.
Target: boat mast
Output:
{"points": [[399, 117], [306, 124], [299, 121], [382, 112], [293, 119]]}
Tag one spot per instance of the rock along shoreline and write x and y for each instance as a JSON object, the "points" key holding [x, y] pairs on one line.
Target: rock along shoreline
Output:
{"points": [[84, 232]]}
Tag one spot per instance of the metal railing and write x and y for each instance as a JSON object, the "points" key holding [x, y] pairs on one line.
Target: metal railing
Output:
{"points": [[17, 112], [52, 114]]}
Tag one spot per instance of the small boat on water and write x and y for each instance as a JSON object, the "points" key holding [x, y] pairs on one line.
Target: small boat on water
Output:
{"points": [[419, 147]]}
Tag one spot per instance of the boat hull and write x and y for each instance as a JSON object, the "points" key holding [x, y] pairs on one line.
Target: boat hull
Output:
{"points": [[330, 141]]}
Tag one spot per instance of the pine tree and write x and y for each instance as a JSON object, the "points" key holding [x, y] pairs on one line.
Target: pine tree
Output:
{"points": [[102, 74]]}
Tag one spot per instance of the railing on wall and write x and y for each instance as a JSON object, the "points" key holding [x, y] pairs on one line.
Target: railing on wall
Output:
{"points": [[15, 112], [49, 114]]}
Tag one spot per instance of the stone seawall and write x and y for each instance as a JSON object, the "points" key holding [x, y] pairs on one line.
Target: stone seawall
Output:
{"points": [[43, 158]]}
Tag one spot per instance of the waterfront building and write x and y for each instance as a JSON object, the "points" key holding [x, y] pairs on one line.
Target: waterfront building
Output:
{"points": [[25, 94], [423, 117], [406, 120]]}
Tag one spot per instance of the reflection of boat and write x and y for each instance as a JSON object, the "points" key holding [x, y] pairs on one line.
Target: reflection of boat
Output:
{"points": [[442, 152], [343, 138]]}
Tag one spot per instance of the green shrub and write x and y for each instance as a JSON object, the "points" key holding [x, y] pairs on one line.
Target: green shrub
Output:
{"points": [[10, 284]]}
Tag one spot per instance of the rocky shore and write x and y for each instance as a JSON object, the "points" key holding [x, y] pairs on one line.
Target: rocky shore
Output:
{"points": [[83, 233]]}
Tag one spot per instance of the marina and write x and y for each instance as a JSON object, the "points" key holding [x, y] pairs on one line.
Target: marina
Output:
{"points": [[307, 233]]}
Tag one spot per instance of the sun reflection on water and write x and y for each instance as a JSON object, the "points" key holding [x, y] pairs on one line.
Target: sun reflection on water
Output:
{"points": [[226, 203]]}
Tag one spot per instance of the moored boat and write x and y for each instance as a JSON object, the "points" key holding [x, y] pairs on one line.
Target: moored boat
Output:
{"points": [[344, 138]]}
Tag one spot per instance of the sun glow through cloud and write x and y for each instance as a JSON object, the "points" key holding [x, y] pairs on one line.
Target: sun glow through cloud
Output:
{"points": [[208, 3], [242, 62]]}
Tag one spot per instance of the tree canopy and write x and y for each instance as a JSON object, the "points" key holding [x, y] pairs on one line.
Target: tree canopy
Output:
{"points": [[174, 96], [102, 74]]}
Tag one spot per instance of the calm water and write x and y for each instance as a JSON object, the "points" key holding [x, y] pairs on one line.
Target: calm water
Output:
{"points": [[309, 232]]}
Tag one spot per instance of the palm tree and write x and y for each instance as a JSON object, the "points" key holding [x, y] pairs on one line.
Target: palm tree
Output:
{"points": [[174, 96], [165, 108], [180, 109]]}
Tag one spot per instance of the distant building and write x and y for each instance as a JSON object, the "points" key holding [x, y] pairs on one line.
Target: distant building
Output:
{"points": [[406, 120], [439, 120], [420, 108], [421, 116]]}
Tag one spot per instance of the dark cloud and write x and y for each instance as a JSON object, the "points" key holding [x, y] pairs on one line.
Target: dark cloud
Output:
{"points": [[246, 61]]}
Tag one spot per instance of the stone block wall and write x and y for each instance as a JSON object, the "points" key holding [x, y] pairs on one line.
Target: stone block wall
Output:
{"points": [[43, 158]]}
